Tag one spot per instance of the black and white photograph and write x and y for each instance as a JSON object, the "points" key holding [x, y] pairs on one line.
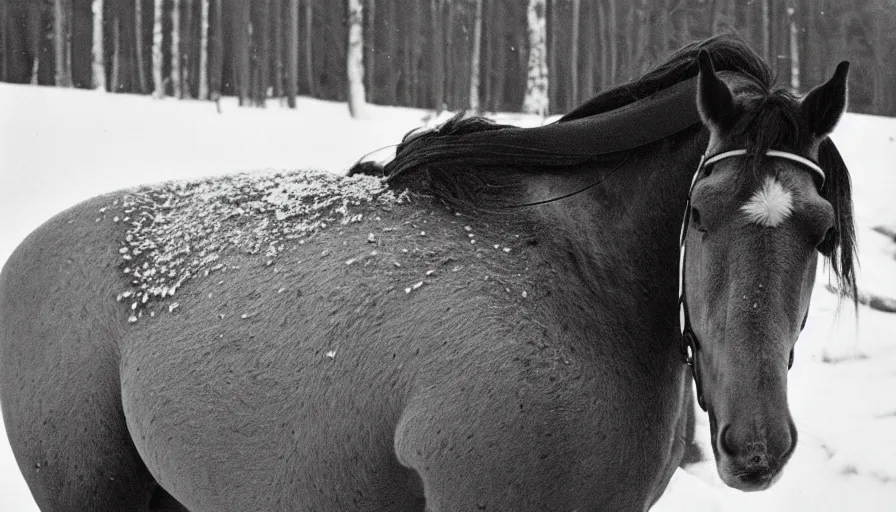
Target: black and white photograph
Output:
{"points": [[447, 255]]}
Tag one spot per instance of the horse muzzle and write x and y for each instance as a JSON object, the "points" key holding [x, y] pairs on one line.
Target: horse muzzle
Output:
{"points": [[751, 459]]}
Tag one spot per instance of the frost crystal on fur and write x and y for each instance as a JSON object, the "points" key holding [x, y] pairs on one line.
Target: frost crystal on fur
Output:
{"points": [[770, 205], [180, 230]]}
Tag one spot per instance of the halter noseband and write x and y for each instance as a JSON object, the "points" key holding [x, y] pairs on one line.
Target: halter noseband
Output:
{"points": [[689, 343]]}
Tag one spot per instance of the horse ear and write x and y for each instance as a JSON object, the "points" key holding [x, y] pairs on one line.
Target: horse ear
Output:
{"points": [[714, 99], [824, 105]]}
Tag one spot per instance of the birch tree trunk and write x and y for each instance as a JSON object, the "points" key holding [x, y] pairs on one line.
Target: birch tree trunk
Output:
{"points": [[474, 62], [355, 58], [175, 49], [203, 51], [536, 101], [794, 51], [292, 53], [98, 69], [138, 40], [158, 81]]}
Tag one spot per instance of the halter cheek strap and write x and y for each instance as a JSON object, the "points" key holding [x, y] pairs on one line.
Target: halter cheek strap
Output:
{"points": [[689, 344]]}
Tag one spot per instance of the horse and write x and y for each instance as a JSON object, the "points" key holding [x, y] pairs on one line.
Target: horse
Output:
{"points": [[497, 319]]}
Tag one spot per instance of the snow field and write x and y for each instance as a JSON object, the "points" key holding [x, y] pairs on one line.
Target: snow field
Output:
{"points": [[63, 146]]}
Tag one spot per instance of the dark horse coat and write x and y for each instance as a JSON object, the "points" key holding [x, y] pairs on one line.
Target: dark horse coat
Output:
{"points": [[299, 341]]}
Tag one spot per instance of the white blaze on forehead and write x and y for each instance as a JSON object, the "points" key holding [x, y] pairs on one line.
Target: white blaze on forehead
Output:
{"points": [[770, 205]]}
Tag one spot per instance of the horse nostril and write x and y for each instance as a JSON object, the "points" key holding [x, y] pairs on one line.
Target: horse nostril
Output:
{"points": [[725, 445]]}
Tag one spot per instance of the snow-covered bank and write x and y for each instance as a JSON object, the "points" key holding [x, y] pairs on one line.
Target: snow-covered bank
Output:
{"points": [[58, 147]]}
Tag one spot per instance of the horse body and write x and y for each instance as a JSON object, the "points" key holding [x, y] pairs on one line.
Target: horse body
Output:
{"points": [[304, 342], [245, 396]]}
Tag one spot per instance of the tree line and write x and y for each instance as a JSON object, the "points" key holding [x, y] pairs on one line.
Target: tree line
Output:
{"points": [[542, 56]]}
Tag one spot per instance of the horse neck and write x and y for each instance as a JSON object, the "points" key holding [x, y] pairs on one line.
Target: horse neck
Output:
{"points": [[619, 244]]}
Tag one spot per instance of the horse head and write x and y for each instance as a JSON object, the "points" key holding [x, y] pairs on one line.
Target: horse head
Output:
{"points": [[761, 208]]}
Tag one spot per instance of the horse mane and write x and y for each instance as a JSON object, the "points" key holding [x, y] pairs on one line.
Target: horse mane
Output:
{"points": [[839, 245], [467, 156], [728, 52], [473, 163]]}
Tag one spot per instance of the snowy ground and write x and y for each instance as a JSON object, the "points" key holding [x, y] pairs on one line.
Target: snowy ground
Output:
{"points": [[58, 147]]}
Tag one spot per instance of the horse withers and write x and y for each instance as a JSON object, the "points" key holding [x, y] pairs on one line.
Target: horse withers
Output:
{"points": [[490, 322]]}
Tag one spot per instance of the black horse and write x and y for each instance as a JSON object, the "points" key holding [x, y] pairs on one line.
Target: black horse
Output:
{"points": [[494, 325]]}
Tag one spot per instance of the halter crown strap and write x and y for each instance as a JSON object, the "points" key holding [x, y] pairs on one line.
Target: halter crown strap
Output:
{"points": [[774, 153]]}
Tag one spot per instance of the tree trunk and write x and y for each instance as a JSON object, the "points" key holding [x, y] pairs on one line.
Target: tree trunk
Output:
{"points": [[406, 89], [4, 46], [604, 33], [666, 23], [216, 59], [277, 19], [614, 45], [264, 57], [642, 39], [590, 45], [292, 53], [574, 54], [158, 81], [61, 35], [175, 50], [450, 78], [309, 62], [98, 68], [138, 39], [536, 101], [766, 28], [438, 56], [241, 49], [34, 39], [186, 49], [794, 50], [116, 55], [369, 49], [355, 58], [684, 29], [474, 61], [203, 51], [491, 12], [553, 71]]}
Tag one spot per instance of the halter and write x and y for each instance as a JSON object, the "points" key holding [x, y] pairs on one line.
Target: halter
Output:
{"points": [[689, 343]]}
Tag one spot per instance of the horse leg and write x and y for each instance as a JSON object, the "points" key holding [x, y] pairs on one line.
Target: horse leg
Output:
{"points": [[59, 375]]}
